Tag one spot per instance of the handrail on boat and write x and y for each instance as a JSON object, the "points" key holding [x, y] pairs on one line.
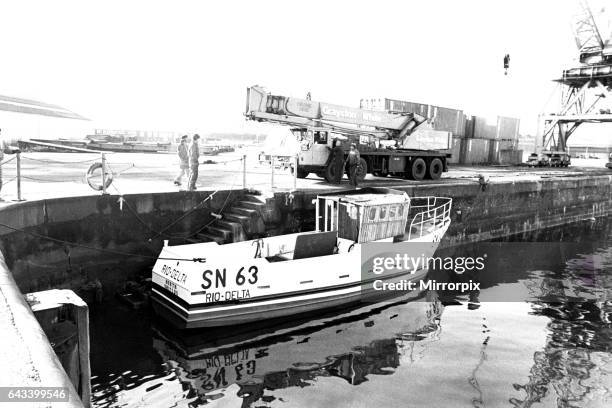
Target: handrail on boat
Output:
{"points": [[435, 212]]}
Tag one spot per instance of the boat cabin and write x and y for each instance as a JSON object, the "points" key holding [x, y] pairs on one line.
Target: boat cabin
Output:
{"points": [[363, 217]]}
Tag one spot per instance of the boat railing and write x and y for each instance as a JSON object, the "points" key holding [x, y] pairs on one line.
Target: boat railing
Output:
{"points": [[430, 213]]}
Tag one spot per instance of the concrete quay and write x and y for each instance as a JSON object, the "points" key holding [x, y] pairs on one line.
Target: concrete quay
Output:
{"points": [[66, 235]]}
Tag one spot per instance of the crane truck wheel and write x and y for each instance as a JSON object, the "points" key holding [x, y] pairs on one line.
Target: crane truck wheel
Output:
{"points": [[418, 169], [330, 174], [435, 169], [301, 173]]}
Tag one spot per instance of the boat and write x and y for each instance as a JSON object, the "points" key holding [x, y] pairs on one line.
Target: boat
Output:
{"points": [[210, 284]]}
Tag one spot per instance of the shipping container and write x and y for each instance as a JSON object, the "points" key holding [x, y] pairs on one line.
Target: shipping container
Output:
{"points": [[511, 157], [469, 126], [441, 118], [494, 151], [448, 120], [476, 151], [482, 129], [508, 128], [455, 151]]}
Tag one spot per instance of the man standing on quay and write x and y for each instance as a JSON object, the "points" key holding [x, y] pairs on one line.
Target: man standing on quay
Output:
{"points": [[183, 154], [194, 162], [353, 160]]}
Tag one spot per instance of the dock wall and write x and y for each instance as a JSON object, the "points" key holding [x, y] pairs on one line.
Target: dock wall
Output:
{"points": [[498, 210], [28, 360], [501, 209]]}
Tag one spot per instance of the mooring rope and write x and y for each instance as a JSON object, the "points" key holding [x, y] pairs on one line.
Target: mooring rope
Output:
{"points": [[110, 251]]}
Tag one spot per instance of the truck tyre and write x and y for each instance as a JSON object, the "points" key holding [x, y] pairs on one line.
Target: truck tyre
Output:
{"points": [[418, 169], [302, 173], [329, 174], [435, 169]]}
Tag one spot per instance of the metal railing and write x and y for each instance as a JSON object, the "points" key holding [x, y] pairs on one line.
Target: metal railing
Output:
{"points": [[428, 214], [95, 169]]}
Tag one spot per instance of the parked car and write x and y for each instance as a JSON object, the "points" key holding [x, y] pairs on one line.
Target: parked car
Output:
{"points": [[560, 160], [538, 160]]}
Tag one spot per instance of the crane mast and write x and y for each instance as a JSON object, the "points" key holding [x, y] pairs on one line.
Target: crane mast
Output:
{"points": [[583, 87]]}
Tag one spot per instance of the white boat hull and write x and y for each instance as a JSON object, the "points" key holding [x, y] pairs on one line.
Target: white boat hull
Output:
{"points": [[322, 283]]}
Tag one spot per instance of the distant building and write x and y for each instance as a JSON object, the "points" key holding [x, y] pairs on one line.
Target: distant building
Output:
{"points": [[22, 119]]}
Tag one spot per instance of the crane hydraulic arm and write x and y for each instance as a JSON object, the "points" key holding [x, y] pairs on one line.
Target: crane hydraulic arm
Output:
{"points": [[265, 107]]}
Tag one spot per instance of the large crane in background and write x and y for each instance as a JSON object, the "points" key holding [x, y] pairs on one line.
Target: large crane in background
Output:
{"points": [[400, 144], [583, 87]]}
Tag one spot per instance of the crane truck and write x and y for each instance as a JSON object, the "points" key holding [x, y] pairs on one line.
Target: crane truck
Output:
{"points": [[383, 138]]}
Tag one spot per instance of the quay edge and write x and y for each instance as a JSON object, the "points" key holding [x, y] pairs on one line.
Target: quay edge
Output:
{"points": [[506, 207]]}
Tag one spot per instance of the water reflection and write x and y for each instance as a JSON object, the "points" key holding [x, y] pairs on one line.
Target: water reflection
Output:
{"points": [[554, 348], [351, 347]]}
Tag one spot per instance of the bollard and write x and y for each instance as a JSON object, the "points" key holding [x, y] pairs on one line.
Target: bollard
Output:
{"points": [[272, 179], [103, 173], [295, 168], [244, 171], [18, 154]]}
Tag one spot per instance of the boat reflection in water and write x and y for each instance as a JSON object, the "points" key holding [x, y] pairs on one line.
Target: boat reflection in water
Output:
{"points": [[351, 346], [373, 340]]}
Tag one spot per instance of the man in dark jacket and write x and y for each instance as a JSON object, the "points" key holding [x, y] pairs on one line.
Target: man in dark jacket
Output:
{"points": [[353, 160], [194, 162], [183, 155], [337, 160]]}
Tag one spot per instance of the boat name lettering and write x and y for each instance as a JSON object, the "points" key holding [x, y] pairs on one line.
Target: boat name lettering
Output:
{"points": [[220, 277], [227, 296], [174, 274]]}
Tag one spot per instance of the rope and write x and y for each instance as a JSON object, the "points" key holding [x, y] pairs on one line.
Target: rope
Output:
{"points": [[51, 181], [7, 161], [4, 183], [109, 251], [125, 202], [59, 161], [220, 211], [132, 166], [184, 215]]}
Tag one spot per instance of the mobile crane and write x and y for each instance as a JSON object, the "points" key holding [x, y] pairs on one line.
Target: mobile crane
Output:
{"points": [[378, 135]]}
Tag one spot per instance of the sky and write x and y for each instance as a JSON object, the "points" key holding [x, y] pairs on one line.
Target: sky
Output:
{"points": [[185, 65]]}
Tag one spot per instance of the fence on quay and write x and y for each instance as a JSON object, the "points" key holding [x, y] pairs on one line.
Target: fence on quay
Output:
{"points": [[36, 175]]}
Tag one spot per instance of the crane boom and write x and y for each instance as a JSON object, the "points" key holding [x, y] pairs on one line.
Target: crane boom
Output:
{"points": [[265, 107]]}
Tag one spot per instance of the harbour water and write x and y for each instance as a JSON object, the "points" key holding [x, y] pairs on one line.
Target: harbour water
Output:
{"points": [[538, 333]]}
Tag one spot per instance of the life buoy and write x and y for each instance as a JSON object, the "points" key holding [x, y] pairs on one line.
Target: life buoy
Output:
{"points": [[90, 174]]}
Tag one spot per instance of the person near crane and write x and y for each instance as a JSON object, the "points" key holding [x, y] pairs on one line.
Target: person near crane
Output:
{"points": [[337, 157], [183, 155], [194, 162], [353, 160]]}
